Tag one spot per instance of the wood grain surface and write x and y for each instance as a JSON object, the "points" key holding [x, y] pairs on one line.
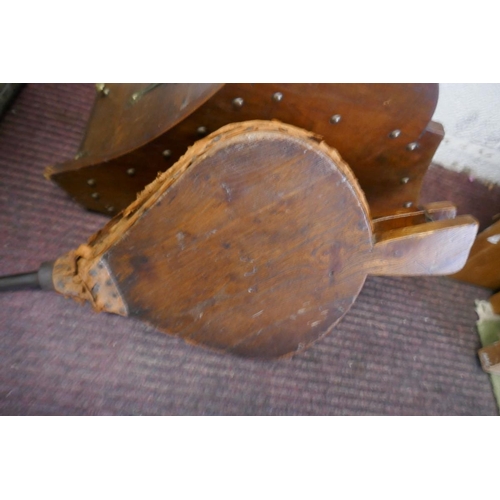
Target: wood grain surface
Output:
{"points": [[256, 243]]}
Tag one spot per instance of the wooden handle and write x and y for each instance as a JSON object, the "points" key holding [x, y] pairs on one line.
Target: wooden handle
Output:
{"points": [[439, 247]]}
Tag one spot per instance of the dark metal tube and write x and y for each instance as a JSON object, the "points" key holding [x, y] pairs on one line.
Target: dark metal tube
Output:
{"points": [[19, 281], [37, 279]]}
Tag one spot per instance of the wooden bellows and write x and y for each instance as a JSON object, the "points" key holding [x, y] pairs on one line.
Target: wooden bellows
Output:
{"points": [[256, 242], [383, 131]]}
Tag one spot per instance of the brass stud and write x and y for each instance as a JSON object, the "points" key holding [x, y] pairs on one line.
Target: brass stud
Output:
{"points": [[102, 89], [408, 204], [91, 182], [201, 130], [238, 102], [131, 171], [167, 153], [95, 196], [405, 180], [395, 133], [412, 146], [110, 209], [335, 119], [277, 96]]}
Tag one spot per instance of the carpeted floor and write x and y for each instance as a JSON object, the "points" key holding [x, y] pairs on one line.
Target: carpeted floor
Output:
{"points": [[407, 346]]}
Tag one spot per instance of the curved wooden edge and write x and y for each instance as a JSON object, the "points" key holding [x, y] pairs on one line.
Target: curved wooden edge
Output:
{"points": [[434, 248], [155, 124]]}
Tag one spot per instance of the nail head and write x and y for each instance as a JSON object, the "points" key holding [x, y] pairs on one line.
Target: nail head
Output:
{"points": [[405, 180], [395, 133], [201, 130], [238, 102], [131, 171], [277, 96], [95, 196], [91, 182], [102, 89], [408, 204], [412, 146], [167, 153], [335, 119]]}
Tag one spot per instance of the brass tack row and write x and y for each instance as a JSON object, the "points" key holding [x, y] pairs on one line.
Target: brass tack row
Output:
{"points": [[238, 102], [334, 119]]}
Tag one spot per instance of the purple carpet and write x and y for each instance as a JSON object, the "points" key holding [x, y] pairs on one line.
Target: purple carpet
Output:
{"points": [[407, 346]]}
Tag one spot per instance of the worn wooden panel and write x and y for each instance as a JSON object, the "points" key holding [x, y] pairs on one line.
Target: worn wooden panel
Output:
{"points": [[483, 266], [256, 243], [383, 131]]}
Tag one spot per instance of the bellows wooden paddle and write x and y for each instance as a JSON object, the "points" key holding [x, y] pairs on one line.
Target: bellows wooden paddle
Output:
{"points": [[256, 243]]}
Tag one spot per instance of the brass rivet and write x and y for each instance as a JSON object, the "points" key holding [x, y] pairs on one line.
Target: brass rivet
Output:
{"points": [[102, 89], [412, 146], [395, 133], [91, 182], [201, 130], [405, 180], [277, 96], [408, 204], [238, 102], [167, 153], [95, 196], [131, 171], [335, 119]]}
